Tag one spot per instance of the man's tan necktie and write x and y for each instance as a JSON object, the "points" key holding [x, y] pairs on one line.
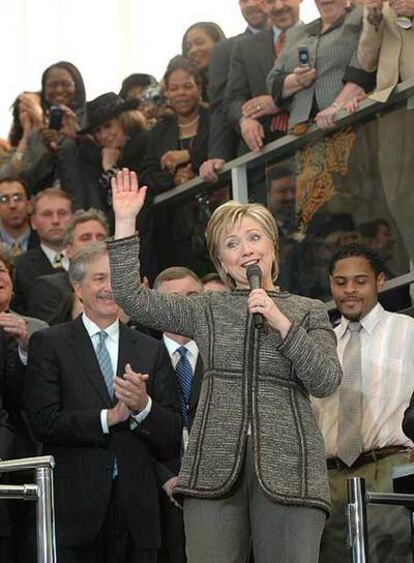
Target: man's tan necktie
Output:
{"points": [[57, 261], [15, 249], [350, 399]]}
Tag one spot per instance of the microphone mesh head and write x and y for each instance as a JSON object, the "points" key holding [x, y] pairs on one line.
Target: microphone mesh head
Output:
{"points": [[253, 270]]}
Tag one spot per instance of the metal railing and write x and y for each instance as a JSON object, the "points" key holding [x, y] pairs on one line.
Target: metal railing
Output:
{"points": [[236, 169], [358, 499], [42, 492]]}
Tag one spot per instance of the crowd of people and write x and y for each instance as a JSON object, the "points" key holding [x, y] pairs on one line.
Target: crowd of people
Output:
{"points": [[182, 429]]}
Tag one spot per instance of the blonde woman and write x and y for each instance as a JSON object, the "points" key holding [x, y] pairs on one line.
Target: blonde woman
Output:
{"points": [[254, 470]]}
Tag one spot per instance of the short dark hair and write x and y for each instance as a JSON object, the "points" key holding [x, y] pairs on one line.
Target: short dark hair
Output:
{"points": [[79, 98], [211, 29], [361, 250], [176, 273], [370, 230], [136, 79], [22, 182], [181, 63]]}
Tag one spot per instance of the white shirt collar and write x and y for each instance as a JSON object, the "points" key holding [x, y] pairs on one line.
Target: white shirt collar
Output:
{"points": [[51, 253], [172, 346], [92, 329], [368, 322]]}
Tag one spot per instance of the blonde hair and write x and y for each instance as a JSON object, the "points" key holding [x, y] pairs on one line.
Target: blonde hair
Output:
{"points": [[132, 119], [225, 217]]}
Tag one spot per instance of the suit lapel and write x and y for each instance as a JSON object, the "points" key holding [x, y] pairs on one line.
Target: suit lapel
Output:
{"points": [[265, 50], [83, 350], [127, 343]]}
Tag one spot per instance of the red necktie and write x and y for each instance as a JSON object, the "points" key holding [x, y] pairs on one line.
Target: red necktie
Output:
{"points": [[280, 120]]}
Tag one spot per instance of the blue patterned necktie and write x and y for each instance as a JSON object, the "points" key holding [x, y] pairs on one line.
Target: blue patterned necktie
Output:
{"points": [[184, 374], [104, 360]]}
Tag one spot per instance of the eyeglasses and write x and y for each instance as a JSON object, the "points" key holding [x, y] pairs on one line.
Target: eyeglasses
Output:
{"points": [[15, 198], [65, 84]]}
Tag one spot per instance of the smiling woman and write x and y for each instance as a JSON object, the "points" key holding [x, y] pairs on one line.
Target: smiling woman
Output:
{"points": [[198, 41], [252, 464]]}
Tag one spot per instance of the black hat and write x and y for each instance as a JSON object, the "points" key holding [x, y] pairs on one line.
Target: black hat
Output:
{"points": [[104, 107]]}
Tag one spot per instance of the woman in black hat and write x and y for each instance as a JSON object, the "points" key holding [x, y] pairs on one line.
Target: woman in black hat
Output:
{"points": [[115, 137]]}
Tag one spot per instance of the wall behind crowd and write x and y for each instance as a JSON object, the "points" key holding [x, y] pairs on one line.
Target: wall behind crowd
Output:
{"points": [[106, 40]]}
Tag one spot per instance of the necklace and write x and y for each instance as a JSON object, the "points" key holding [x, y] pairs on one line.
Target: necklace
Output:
{"points": [[189, 124]]}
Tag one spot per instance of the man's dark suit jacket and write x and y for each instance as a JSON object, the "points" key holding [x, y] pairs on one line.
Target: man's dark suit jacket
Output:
{"points": [[252, 59], [172, 525], [47, 295], [7, 373], [64, 395], [28, 266], [223, 139]]}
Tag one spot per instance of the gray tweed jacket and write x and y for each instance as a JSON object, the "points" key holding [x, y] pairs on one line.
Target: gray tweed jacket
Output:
{"points": [[252, 379]]}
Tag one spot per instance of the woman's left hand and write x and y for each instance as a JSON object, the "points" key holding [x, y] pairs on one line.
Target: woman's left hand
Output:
{"points": [[260, 302], [325, 119], [171, 159]]}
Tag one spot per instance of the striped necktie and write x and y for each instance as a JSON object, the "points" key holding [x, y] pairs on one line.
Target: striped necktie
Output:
{"points": [[350, 399], [184, 374], [104, 361], [279, 121]]}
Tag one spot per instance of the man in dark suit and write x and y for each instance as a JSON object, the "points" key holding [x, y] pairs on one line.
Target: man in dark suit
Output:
{"points": [[8, 365], [52, 211], [49, 292], [185, 282], [250, 108], [106, 450], [223, 139], [15, 231]]}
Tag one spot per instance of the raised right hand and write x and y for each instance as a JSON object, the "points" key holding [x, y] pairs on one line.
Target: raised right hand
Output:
{"points": [[127, 201]]}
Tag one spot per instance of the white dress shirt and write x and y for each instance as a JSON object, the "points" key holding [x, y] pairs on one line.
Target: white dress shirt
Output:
{"points": [[172, 348], [387, 368], [50, 255], [112, 345], [192, 356]]}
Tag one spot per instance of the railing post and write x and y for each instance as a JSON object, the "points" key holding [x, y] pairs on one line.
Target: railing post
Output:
{"points": [[46, 543], [240, 190], [357, 520]]}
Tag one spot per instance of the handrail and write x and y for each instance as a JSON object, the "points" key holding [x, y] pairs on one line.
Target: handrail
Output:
{"points": [[42, 493], [286, 145], [358, 498], [27, 463]]}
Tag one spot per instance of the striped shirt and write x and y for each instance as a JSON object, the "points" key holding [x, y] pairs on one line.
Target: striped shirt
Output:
{"points": [[387, 366]]}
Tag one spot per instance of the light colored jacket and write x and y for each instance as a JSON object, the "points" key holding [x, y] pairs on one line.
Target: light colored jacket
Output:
{"points": [[389, 51]]}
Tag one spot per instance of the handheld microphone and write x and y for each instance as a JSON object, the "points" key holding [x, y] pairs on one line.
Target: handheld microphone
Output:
{"points": [[254, 277]]}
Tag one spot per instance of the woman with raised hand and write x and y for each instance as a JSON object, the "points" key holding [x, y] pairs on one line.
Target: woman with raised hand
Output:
{"points": [[255, 469]]}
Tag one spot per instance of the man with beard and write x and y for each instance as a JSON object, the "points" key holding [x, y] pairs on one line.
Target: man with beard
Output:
{"points": [[15, 231], [251, 110], [361, 421], [104, 432], [223, 140]]}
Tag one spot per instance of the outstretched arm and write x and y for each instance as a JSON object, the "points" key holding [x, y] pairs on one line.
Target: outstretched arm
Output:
{"points": [[127, 201]]}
